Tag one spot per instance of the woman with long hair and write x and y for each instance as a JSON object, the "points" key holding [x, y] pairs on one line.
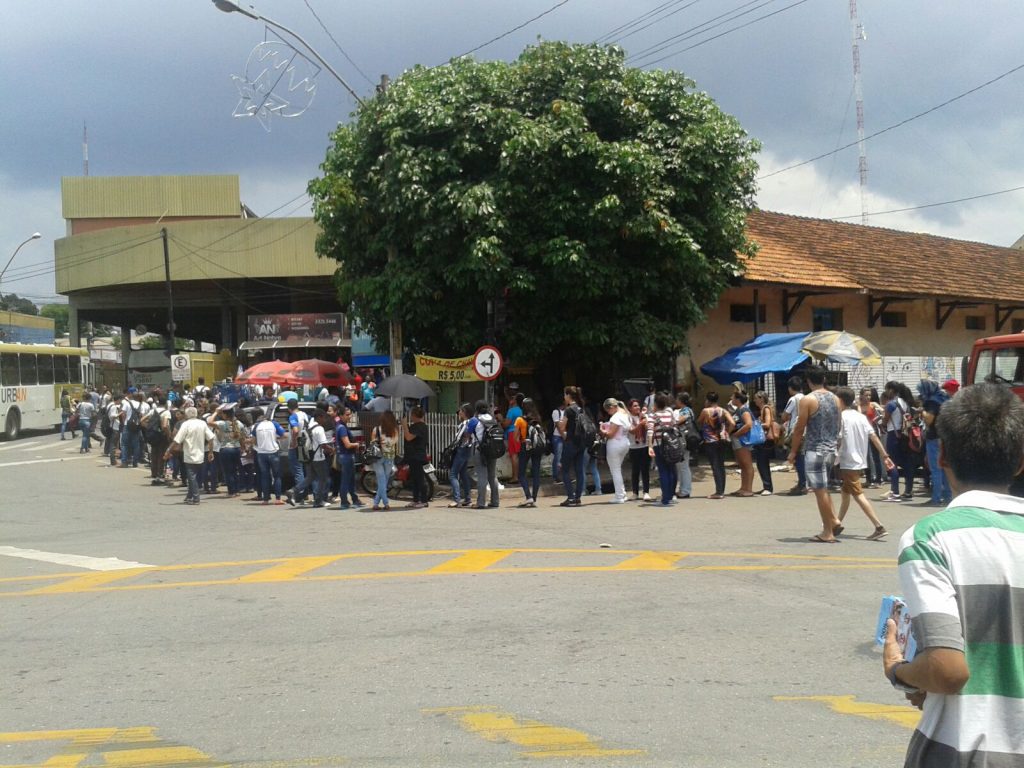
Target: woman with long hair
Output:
{"points": [[715, 423], [763, 453], [639, 461], [897, 411], [386, 434], [874, 413], [528, 459], [744, 423], [458, 475]]}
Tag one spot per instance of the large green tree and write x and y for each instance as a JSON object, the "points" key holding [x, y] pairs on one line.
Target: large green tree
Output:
{"points": [[600, 207], [59, 314]]}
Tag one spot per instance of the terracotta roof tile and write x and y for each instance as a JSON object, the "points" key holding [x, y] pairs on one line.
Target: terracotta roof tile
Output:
{"points": [[799, 251]]}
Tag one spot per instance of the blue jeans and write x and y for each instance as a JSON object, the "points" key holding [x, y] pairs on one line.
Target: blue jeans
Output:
{"points": [[347, 462], [801, 471], [573, 464], [684, 476], [298, 470], [594, 472], [84, 425], [382, 468], [459, 475], [903, 463], [666, 476], [557, 444], [231, 466], [192, 473], [63, 423], [131, 447], [270, 470], [941, 492], [534, 465]]}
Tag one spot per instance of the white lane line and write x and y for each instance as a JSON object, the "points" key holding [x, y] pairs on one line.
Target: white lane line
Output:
{"points": [[43, 461], [12, 446], [74, 445], [78, 561]]}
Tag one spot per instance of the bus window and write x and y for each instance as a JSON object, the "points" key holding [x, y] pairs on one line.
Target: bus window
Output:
{"points": [[75, 365], [9, 376], [44, 363], [60, 368], [28, 369], [1007, 366]]}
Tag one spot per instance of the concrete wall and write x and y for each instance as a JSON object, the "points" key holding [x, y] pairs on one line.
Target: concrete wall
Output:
{"points": [[26, 329]]}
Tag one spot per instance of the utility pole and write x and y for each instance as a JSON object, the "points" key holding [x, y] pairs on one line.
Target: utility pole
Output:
{"points": [[862, 166], [395, 340], [170, 295]]}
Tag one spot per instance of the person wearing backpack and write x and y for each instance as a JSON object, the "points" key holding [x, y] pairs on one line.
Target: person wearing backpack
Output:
{"points": [[297, 421], [490, 442], [531, 437], [458, 474], [130, 437], [230, 434], [573, 429], [897, 411], [158, 435], [715, 424], [616, 434], [684, 417], [659, 422]]}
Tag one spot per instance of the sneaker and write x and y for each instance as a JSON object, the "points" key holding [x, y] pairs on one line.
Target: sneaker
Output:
{"points": [[290, 499], [344, 506], [892, 497], [501, 487], [880, 533], [647, 497], [766, 492], [557, 482], [907, 496], [566, 503], [796, 490]]}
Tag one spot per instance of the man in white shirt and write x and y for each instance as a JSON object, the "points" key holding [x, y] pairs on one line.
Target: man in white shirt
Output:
{"points": [[112, 440], [857, 434], [194, 438], [268, 462], [790, 417]]}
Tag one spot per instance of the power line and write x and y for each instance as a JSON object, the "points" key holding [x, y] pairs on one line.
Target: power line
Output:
{"points": [[43, 271], [336, 43], [699, 29], [654, 21], [503, 35], [932, 205], [726, 32], [897, 125], [636, 20]]}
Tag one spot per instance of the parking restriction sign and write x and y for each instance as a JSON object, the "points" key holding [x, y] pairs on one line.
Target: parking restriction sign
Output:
{"points": [[181, 368], [487, 363]]}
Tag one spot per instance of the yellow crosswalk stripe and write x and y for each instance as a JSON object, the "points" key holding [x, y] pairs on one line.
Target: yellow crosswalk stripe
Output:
{"points": [[902, 715], [534, 738], [289, 569], [473, 561]]}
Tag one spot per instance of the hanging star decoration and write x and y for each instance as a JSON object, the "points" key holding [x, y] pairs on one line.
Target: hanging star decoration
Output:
{"points": [[278, 80]]}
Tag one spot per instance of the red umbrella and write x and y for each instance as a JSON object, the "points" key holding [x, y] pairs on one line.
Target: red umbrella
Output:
{"points": [[313, 372], [261, 373]]}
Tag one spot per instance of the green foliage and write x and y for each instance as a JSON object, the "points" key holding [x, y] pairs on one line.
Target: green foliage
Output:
{"points": [[602, 206], [59, 314], [11, 302], [156, 341]]}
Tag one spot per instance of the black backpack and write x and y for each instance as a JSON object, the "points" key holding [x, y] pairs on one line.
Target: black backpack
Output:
{"points": [[536, 443], [492, 444], [691, 436], [132, 422], [304, 444], [154, 428], [586, 430], [673, 447]]}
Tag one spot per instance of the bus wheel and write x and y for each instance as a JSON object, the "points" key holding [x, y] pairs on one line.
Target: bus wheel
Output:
{"points": [[12, 427]]}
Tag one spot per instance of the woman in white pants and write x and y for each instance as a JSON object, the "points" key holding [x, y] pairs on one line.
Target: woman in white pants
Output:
{"points": [[616, 432]]}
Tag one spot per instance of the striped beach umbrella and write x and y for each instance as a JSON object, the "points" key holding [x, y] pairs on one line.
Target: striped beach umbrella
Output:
{"points": [[841, 347]]}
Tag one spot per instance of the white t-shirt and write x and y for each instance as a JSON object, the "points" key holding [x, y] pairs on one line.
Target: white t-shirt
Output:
{"points": [[793, 409], [556, 416], [856, 440], [266, 437], [114, 415], [896, 414], [621, 437], [192, 436], [318, 438]]}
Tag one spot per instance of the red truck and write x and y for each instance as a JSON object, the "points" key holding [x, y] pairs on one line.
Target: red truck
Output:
{"points": [[999, 358]]}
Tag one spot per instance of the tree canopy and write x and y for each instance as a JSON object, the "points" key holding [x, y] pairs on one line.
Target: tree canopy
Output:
{"points": [[600, 207], [59, 314], [12, 302]]}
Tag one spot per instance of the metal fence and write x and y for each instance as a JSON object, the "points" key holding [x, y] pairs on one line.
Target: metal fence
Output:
{"points": [[441, 431]]}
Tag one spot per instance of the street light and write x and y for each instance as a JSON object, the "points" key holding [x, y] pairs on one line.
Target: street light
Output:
{"points": [[230, 7], [34, 236]]}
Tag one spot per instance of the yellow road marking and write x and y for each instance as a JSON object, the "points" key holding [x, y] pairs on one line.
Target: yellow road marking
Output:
{"points": [[535, 739], [473, 561], [651, 561], [89, 582], [126, 758], [289, 569], [462, 561], [904, 716]]}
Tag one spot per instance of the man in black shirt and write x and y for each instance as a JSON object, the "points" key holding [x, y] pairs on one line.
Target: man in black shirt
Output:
{"points": [[416, 447]]}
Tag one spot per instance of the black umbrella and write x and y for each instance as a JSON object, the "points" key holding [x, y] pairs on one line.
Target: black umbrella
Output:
{"points": [[404, 385]]}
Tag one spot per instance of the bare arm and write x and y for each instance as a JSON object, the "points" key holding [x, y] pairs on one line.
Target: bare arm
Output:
{"points": [[798, 431]]}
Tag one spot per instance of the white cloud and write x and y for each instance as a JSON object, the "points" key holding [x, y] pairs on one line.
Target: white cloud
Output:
{"points": [[805, 192]]}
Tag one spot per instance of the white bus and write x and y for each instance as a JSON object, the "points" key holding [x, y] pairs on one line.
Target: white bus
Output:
{"points": [[31, 379]]}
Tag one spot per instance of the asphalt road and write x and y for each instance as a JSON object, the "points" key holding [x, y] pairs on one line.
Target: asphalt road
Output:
{"points": [[708, 634]]}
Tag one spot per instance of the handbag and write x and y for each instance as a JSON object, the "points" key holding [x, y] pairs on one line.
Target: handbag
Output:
{"points": [[373, 450], [598, 449], [774, 432], [754, 437]]}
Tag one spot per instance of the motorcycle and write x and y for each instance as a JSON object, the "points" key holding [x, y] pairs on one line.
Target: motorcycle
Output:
{"points": [[399, 483]]}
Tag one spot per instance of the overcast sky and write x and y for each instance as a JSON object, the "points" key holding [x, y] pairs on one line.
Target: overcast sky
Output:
{"points": [[153, 83]]}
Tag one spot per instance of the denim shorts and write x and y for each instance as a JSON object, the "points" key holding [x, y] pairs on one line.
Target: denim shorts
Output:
{"points": [[817, 465]]}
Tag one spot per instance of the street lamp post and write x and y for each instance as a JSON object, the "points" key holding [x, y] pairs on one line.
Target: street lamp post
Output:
{"points": [[34, 236], [230, 7]]}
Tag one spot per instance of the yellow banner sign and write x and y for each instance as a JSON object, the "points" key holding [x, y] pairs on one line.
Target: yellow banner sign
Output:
{"points": [[445, 369]]}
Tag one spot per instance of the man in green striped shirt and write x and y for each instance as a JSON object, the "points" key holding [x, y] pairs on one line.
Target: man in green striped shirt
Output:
{"points": [[962, 573]]}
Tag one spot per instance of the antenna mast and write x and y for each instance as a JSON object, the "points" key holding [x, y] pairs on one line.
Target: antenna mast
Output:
{"points": [[858, 35], [85, 149]]}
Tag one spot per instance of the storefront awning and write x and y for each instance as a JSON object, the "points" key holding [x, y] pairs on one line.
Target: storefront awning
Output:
{"points": [[768, 353], [294, 344]]}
